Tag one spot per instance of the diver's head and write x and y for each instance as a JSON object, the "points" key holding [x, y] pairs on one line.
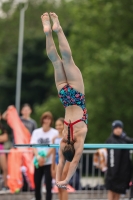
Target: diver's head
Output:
{"points": [[69, 151]]}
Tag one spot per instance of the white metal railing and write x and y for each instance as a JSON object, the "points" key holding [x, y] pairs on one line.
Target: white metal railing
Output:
{"points": [[87, 177]]}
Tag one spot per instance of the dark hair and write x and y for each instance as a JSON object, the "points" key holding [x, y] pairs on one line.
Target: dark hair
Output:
{"points": [[69, 150], [25, 105], [60, 119], [46, 115]]}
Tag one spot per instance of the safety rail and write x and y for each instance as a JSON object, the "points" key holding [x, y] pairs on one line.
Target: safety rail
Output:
{"points": [[88, 180]]}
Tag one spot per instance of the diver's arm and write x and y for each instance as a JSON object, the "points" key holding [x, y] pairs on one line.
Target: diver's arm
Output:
{"points": [[74, 164]]}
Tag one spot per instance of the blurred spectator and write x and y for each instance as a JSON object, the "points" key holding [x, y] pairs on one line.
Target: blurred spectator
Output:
{"points": [[21, 135], [43, 135], [3, 160], [119, 165], [29, 123]]}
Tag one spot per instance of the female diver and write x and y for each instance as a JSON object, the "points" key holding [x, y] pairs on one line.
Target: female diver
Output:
{"points": [[70, 86]]}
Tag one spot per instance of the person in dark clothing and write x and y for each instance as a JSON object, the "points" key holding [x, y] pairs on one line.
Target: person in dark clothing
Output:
{"points": [[29, 123], [119, 164]]}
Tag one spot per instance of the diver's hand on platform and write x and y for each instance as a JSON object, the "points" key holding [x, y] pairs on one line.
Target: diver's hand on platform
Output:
{"points": [[62, 185]]}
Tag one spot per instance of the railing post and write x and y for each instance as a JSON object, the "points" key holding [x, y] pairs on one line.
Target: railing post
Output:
{"points": [[20, 57]]}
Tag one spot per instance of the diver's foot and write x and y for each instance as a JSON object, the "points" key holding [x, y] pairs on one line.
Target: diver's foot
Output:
{"points": [[56, 24], [46, 23]]}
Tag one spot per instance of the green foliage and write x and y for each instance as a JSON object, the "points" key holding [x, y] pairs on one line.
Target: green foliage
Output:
{"points": [[101, 38], [53, 105]]}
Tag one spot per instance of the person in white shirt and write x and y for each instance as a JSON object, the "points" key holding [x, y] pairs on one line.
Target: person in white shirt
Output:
{"points": [[43, 135]]}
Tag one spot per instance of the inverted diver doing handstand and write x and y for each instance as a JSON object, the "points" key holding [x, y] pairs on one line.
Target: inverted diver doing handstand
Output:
{"points": [[70, 88]]}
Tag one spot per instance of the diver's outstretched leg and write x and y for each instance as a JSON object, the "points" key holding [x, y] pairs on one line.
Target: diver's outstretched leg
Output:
{"points": [[60, 77], [73, 74]]}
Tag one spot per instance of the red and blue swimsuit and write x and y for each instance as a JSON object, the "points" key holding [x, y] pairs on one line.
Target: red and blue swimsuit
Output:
{"points": [[69, 97]]}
